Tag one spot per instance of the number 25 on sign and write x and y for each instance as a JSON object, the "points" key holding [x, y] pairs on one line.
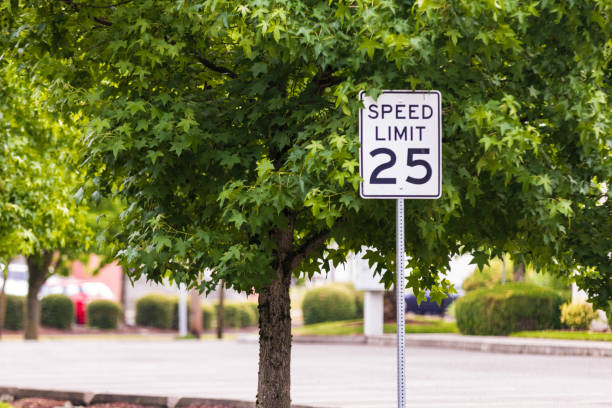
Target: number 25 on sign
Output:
{"points": [[401, 145]]}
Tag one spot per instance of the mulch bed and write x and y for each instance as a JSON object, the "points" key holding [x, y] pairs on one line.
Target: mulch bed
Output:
{"points": [[51, 403]]}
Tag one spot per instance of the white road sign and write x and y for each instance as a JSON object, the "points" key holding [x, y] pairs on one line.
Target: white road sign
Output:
{"points": [[401, 145]]}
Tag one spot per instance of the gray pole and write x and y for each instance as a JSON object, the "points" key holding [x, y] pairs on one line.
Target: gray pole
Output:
{"points": [[182, 310], [400, 286]]}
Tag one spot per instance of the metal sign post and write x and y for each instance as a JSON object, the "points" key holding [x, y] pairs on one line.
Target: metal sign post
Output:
{"points": [[401, 157], [400, 285]]}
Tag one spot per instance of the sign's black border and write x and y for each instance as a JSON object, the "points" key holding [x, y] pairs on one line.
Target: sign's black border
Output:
{"points": [[361, 94]]}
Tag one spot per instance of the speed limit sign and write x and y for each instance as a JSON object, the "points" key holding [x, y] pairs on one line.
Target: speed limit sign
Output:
{"points": [[401, 145]]}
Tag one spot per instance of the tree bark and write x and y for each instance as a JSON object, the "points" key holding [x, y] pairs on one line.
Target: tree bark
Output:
{"points": [[38, 268], [195, 313], [519, 272], [390, 305], [273, 388], [3, 300], [220, 311], [123, 298]]}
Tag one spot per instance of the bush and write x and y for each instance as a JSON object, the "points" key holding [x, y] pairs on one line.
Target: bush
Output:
{"points": [[328, 303], [238, 315], [15, 310], [255, 308], [577, 316], [57, 311], [104, 314], [154, 311], [208, 316], [504, 309]]}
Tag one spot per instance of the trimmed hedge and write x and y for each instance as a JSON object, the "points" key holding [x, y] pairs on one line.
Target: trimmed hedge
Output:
{"points": [[329, 303], [15, 311], [57, 311], [208, 316], [104, 314], [238, 314], [508, 308], [154, 311]]}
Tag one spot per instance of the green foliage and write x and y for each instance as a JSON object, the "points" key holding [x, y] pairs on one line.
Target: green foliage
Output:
{"points": [[208, 316], [577, 316], [15, 309], [5, 405], [359, 295], [38, 173], [57, 311], [508, 308], [104, 314], [221, 123], [154, 311], [328, 303], [238, 314]]}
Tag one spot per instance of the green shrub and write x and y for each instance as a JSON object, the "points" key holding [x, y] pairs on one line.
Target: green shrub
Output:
{"points": [[577, 316], [255, 308], [104, 314], [15, 310], [208, 316], [238, 314], [328, 303], [609, 314], [357, 294], [57, 311], [508, 308], [246, 315], [154, 311]]}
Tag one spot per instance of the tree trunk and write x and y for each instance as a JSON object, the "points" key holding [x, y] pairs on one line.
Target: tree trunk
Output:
{"points": [[195, 313], [273, 388], [3, 300], [123, 298], [519, 272], [221, 311], [390, 305], [38, 268]]}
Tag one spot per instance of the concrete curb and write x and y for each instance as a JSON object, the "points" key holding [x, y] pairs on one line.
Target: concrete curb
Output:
{"points": [[88, 398], [511, 345]]}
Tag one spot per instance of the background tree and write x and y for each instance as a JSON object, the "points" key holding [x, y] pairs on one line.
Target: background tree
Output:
{"points": [[229, 128], [40, 217]]}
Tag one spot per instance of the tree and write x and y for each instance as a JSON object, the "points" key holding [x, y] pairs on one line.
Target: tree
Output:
{"points": [[39, 215], [229, 128]]}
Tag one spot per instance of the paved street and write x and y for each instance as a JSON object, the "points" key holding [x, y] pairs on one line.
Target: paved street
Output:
{"points": [[351, 376]]}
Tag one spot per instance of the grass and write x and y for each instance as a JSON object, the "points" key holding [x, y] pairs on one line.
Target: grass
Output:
{"points": [[354, 327], [565, 335]]}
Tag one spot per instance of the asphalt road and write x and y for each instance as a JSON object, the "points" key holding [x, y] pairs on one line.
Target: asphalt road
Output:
{"points": [[350, 376]]}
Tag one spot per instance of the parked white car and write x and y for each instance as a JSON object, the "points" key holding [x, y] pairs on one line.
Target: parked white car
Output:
{"points": [[17, 279]]}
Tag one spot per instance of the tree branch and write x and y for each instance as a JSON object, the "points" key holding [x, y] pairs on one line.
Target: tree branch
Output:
{"points": [[102, 21], [222, 70], [307, 248]]}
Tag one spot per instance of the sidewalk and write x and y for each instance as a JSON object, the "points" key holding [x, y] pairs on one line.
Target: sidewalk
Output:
{"points": [[495, 344]]}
